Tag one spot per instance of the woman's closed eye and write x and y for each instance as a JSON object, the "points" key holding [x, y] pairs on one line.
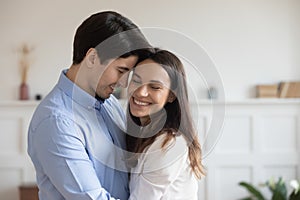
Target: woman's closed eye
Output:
{"points": [[156, 86]]}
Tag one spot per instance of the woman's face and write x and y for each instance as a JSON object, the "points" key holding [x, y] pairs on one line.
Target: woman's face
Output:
{"points": [[148, 89]]}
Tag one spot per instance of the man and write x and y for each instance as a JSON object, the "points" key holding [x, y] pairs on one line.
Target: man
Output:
{"points": [[75, 135]]}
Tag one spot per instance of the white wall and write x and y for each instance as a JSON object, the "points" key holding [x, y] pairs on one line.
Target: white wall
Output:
{"points": [[250, 41]]}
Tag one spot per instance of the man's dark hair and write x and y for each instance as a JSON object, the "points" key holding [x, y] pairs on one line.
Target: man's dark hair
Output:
{"points": [[112, 35]]}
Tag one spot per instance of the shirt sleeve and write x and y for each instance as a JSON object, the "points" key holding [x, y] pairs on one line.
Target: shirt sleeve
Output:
{"points": [[60, 149], [159, 168], [116, 112]]}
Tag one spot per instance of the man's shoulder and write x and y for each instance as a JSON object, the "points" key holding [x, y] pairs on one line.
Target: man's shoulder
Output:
{"points": [[115, 110], [51, 106], [112, 101], [113, 105]]}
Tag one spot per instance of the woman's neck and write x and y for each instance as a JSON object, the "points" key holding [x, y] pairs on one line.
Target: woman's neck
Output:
{"points": [[145, 120], [160, 115]]}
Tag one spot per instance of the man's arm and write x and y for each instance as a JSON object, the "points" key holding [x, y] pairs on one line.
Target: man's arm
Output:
{"points": [[60, 149]]}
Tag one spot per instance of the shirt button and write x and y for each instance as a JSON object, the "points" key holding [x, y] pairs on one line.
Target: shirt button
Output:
{"points": [[90, 107]]}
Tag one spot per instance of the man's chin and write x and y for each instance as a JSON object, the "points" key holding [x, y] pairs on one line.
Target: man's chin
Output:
{"points": [[101, 98], [104, 95]]}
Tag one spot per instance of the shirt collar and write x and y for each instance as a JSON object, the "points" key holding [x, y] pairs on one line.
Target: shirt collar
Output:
{"points": [[76, 93]]}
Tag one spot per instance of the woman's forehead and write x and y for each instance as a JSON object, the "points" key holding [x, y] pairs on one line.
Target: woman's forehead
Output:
{"points": [[149, 70]]}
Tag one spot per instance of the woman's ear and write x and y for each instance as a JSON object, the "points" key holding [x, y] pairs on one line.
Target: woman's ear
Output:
{"points": [[171, 97], [91, 57]]}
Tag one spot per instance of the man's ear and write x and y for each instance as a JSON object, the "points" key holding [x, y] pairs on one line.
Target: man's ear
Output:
{"points": [[171, 97], [91, 57]]}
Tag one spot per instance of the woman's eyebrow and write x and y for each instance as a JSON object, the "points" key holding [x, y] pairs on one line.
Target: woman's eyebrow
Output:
{"points": [[135, 74], [150, 81], [156, 81]]}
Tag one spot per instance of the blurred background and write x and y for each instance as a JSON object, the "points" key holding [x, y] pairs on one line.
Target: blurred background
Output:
{"points": [[251, 42]]}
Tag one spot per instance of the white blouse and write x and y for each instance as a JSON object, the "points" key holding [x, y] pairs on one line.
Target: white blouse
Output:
{"points": [[164, 174]]}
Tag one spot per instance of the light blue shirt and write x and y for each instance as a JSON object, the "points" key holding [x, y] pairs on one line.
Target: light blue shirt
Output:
{"points": [[75, 142]]}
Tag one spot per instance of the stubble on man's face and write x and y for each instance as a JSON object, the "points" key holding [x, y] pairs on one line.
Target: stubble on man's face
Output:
{"points": [[114, 72]]}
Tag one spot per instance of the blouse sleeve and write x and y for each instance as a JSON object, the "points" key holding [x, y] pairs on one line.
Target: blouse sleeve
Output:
{"points": [[158, 168]]}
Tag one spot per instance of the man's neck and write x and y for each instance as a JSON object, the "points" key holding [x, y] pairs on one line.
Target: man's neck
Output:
{"points": [[72, 72], [79, 79]]}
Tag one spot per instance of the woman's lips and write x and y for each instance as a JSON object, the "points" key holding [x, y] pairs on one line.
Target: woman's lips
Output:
{"points": [[140, 103]]}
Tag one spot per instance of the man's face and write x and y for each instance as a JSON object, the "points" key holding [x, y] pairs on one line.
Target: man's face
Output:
{"points": [[115, 74]]}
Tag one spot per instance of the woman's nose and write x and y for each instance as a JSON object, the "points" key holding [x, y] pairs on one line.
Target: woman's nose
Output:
{"points": [[142, 91]]}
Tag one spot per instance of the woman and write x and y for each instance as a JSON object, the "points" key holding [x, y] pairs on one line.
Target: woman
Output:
{"points": [[166, 153]]}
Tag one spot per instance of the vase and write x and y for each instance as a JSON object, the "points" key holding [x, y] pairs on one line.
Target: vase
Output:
{"points": [[212, 93], [24, 91]]}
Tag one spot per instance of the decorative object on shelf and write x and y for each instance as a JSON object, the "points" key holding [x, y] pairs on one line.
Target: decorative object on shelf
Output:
{"points": [[28, 192], [289, 89], [212, 93], [38, 97], [278, 189], [24, 91], [24, 64], [267, 91]]}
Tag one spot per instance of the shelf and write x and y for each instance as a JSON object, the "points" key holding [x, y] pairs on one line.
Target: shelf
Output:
{"points": [[254, 101], [18, 103]]}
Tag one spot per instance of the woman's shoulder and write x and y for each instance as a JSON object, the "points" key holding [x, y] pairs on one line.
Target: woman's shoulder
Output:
{"points": [[157, 157], [175, 143]]}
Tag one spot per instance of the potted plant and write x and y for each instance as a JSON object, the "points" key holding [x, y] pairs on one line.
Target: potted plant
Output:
{"points": [[278, 189]]}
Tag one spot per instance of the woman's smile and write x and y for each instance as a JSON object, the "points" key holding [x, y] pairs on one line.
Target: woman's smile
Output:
{"points": [[139, 102]]}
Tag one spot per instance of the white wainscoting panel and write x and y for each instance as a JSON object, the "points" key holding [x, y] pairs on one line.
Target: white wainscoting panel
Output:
{"points": [[236, 128], [259, 139], [10, 143], [15, 165], [10, 179], [283, 131], [227, 177]]}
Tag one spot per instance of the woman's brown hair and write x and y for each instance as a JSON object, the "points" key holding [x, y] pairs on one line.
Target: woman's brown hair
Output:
{"points": [[178, 116]]}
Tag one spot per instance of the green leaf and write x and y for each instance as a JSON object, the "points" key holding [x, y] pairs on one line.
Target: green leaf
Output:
{"points": [[252, 190], [279, 190], [278, 196], [247, 198], [294, 196]]}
